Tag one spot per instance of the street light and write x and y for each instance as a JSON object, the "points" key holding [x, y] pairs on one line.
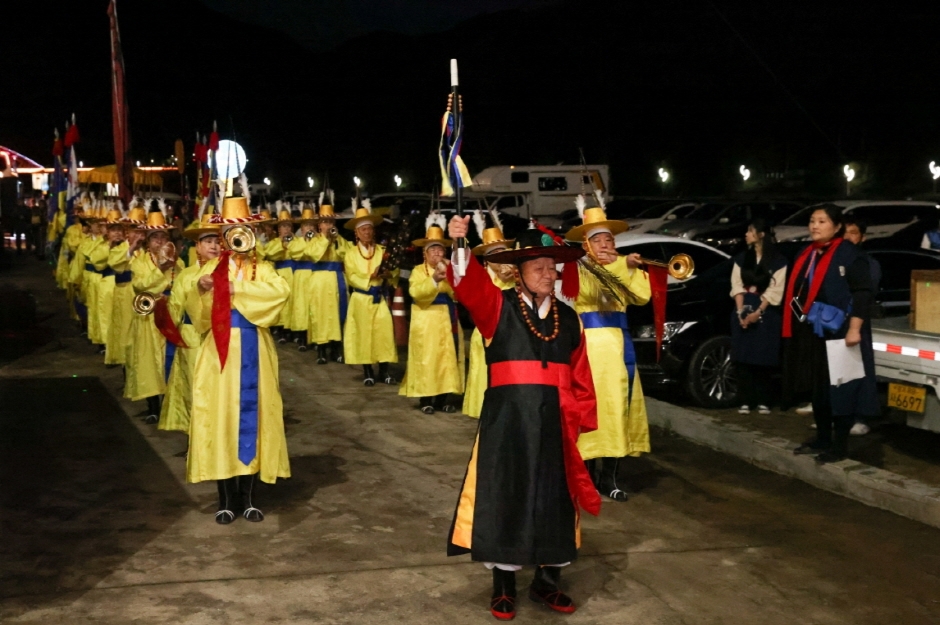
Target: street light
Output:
{"points": [[935, 172], [849, 177], [397, 180], [358, 181], [310, 181], [267, 181], [745, 172], [663, 179]]}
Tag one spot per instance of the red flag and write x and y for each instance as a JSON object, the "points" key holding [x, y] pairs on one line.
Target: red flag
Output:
{"points": [[122, 133], [221, 307], [659, 279], [164, 323]]}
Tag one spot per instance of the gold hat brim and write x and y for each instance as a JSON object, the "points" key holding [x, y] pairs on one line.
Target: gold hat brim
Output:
{"points": [[485, 248], [576, 234], [196, 233], [425, 242]]}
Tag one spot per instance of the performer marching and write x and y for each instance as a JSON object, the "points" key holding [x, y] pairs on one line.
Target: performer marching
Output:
{"points": [[329, 295], [149, 355], [303, 276], [237, 425], [114, 236], [276, 252], [493, 240], [622, 427], [369, 336], [178, 401], [435, 343], [122, 311], [526, 481]]}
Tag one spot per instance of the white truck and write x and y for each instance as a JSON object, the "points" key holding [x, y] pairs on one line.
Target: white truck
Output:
{"points": [[549, 190], [909, 361]]}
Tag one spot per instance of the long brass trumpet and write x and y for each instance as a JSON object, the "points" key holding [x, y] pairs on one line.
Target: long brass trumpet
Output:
{"points": [[240, 239], [144, 303], [680, 266]]}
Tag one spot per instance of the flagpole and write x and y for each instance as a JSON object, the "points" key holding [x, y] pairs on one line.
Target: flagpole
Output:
{"points": [[458, 187]]}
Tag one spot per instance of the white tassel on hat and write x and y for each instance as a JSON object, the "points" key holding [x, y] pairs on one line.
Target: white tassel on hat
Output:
{"points": [[161, 204], [435, 219], [367, 204], [580, 203], [494, 214], [600, 198], [355, 205], [243, 183], [322, 195], [479, 221]]}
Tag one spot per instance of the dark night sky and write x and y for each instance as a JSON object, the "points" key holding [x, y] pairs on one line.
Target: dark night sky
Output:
{"points": [[357, 87]]}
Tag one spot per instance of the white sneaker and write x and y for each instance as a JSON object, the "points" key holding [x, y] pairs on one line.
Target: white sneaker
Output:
{"points": [[859, 429], [744, 409], [805, 409], [763, 409]]}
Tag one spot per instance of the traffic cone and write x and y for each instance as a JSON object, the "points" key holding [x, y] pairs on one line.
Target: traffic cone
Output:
{"points": [[400, 317]]}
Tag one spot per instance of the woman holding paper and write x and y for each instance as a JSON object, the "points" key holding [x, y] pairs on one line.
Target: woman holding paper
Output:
{"points": [[828, 349]]}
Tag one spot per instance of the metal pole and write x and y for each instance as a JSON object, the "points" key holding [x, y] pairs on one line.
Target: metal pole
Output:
{"points": [[455, 175]]}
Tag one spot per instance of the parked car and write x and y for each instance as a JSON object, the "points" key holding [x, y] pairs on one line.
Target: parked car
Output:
{"points": [[884, 218], [724, 229], [696, 348], [655, 216]]}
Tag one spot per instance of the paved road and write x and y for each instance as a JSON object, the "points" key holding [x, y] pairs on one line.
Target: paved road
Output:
{"points": [[99, 526]]}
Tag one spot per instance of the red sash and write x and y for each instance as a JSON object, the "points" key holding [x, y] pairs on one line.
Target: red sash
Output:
{"points": [[819, 274]]}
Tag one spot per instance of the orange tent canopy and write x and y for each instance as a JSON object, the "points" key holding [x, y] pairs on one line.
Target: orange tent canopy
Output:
{"points": [[108, 173]]}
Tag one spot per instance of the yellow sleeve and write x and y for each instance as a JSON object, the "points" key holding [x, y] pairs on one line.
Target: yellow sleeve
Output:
{"points": [[355, 268], [317, 248], [342, 246], [260, 300], [422, 287], [199, 305], [147, 277], [636, 281], [296, 248], [98, 255], [274, 250], [118, 258]]}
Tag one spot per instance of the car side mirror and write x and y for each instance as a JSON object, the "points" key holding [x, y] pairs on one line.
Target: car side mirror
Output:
{"points": [[723, 220], [670, 217]]}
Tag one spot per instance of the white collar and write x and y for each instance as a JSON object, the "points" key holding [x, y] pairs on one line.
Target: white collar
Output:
{"points": [[544, 307]]}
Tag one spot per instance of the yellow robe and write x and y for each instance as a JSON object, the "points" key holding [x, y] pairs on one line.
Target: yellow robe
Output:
{"points": [[435, 363], [300, 285], [369, 336], [122, 311], [105, 298], [478, 379], [70, 242], [93, 253], [146, 350], [275, 252], [178, 401], [324, 324], [622, 426], [213, 432]]}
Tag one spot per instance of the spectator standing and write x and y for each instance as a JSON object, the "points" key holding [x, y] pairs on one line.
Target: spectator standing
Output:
{"points": [[831, 279], [758, 279]]}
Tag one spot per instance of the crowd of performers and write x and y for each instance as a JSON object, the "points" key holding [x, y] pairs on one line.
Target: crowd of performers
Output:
{"points": [[194, 318]]}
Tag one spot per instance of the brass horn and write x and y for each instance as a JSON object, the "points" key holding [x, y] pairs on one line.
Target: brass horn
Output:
{"points": [[144, 303], [680, 266], [240, 239]]}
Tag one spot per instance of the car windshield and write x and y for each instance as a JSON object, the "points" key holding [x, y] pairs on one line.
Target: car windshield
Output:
{"points": [[799, 218], [655, 212], [707, 212]]}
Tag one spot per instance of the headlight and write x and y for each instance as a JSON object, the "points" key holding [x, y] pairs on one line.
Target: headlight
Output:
{"points": [[670, 330]]}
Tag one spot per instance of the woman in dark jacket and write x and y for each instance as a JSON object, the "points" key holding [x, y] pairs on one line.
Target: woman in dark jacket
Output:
{"points": [[829, 277], [758, 280]]}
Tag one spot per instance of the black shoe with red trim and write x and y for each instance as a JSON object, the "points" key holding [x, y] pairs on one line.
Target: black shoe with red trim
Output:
{"points": [[503, 603], [544, 589]]}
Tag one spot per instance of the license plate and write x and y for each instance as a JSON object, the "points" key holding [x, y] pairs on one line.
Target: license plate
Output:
{"points": [[904, 397]]}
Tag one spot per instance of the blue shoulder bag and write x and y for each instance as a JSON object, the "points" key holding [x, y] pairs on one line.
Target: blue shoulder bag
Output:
{"points": [[826, 318]]}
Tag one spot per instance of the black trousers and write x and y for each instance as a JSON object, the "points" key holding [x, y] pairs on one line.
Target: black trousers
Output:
{"points": [[755, 384]]}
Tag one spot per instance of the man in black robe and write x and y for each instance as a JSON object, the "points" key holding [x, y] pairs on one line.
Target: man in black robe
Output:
{"points": [[519, 503]]}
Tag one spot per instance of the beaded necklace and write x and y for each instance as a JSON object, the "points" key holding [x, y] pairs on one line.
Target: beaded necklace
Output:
{"points": [[528, 320], [361, 253]]}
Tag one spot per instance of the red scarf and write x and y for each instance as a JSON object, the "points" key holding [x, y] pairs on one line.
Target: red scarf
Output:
{"points": [[221, 307], [819, 273]]}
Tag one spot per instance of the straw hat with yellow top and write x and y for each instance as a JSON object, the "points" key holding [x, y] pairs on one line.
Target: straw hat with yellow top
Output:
{"points": [[203, 227], [326, 205], [283, 214], [434, 225], [363, 215], [264, 216], [307, 213], [595, 220], [493, 239], [115, 215], [156, 220]]}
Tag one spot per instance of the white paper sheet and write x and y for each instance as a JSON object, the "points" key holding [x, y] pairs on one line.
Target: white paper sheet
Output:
{"points": [[845, 363]]}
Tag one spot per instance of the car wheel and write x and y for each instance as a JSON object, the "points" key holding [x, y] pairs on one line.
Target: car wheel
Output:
{"points": [[711, 381]]}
